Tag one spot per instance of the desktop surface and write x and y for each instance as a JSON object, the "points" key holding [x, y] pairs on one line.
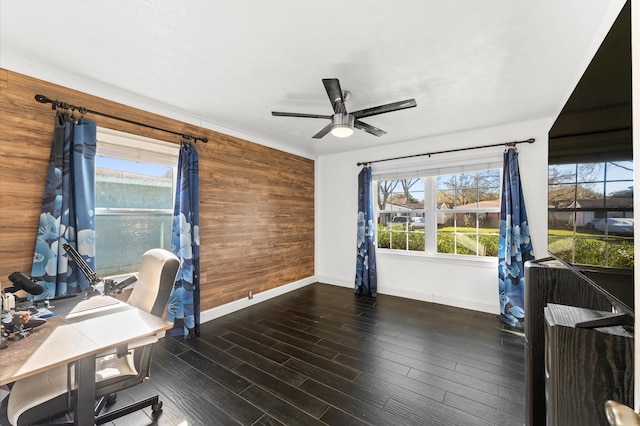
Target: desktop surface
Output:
{"points": [[79, 328]]}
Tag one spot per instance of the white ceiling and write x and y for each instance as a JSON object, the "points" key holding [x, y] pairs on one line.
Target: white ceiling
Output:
{"points": [[226, 65]]}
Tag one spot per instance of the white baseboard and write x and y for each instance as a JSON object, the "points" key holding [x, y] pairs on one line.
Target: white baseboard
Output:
{"points": [[219, 311], [236, 305], [458, 302], [334, 281]]}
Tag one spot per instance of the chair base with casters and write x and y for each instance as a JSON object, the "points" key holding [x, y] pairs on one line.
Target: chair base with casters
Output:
{"points": [[113, 373], [52, 392]]}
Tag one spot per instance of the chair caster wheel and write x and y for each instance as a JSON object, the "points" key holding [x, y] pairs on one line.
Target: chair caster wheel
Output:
{"points": [[157, 407], [112, 398]]}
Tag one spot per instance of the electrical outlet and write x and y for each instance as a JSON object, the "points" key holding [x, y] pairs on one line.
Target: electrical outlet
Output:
{"points": [[250, 295]]}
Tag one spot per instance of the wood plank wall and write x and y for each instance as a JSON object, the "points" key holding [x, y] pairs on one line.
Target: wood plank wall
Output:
{"points": [[256, 203]]}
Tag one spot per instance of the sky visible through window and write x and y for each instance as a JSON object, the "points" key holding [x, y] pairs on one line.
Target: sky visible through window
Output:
{"points": [[132, 166]]}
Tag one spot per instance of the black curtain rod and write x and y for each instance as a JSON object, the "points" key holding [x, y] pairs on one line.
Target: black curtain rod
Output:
{"points": [[514, 143], [58, 104]]}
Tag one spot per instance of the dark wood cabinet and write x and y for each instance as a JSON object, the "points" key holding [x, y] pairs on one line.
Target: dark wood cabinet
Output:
{"points": [[584, 367], [548, 281]]}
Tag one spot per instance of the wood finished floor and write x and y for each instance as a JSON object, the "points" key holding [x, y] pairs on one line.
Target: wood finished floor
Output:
{"points": [[322, 355]]}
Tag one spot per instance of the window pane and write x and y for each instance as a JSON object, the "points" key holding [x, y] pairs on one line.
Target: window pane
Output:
{"points": [[562, 247], [416, 241], [384, 237], [591, 172], [446, 182], [467, 180], [620, 170], [561, 223], [490, 193], [488, 244], [619, 194], [412, 193], [466, 198], [466, 244], [589, 196], [564, 173], [562, 196], [121, 240], [446, 199], [489, 179], [446, 243], [446, 235], [386, 189], [403, 194], [489, 223], [128, 184]]}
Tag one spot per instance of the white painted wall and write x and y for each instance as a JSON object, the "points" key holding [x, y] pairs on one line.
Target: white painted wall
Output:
{"points": [[466, 284]]}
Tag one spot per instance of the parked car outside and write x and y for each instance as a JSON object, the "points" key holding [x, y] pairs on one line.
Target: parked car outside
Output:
{"points": [[615, 225], [403, 221], [417, 222]]}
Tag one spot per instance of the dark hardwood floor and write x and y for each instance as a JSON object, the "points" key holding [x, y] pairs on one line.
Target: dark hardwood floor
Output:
{"points": [[322, 355]]}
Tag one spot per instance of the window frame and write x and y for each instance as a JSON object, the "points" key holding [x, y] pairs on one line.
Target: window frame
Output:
{"points": [[120, 145], [430, 172]]}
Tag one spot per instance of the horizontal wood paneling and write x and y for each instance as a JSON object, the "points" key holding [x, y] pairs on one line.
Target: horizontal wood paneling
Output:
{"points": [[256, 203]]}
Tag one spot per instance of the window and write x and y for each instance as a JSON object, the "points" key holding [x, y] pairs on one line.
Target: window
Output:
{"points": [[468, 213], [135, 187], [450, 210], [401, 208], [591, 213]]}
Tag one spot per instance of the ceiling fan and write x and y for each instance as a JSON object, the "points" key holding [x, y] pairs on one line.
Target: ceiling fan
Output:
{"points": [[343, 122]]}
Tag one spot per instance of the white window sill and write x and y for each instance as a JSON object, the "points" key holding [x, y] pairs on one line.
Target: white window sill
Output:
{"points": [[482, 261]]}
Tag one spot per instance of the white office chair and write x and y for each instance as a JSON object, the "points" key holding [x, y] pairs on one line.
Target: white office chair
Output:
{"points": [[38, 397], [620, 415]]}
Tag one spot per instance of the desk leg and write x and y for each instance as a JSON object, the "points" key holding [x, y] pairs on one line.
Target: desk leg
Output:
{"points": [[86, 396]]}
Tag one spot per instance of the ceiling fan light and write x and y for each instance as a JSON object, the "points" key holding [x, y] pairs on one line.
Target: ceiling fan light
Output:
{"points": [[342, 125], [341, 130]]}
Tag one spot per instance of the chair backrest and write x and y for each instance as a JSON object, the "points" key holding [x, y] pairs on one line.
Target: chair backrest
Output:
{"points": [[157, 275]]}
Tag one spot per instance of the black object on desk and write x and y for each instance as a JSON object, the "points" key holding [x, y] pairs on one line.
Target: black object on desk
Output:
{"points": [[110, 286], [21, 282]]}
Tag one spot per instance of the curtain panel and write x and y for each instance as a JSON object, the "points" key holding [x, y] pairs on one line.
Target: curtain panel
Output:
{"points": [[366, 282], [184, 302], [514, 246], [68, 205]]}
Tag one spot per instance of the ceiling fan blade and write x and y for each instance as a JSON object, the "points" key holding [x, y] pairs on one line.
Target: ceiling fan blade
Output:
{"points": [[395, 106], [295, 114], [326, 129], [368, 128], [334, 91]]}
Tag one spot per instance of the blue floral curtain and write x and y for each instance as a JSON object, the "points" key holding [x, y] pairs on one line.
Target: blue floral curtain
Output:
{"points": [[68, 205], [514, 247], [184, 302], [366, 275]]}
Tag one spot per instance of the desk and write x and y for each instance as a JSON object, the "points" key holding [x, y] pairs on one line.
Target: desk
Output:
{"points": [[92, 326]]}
